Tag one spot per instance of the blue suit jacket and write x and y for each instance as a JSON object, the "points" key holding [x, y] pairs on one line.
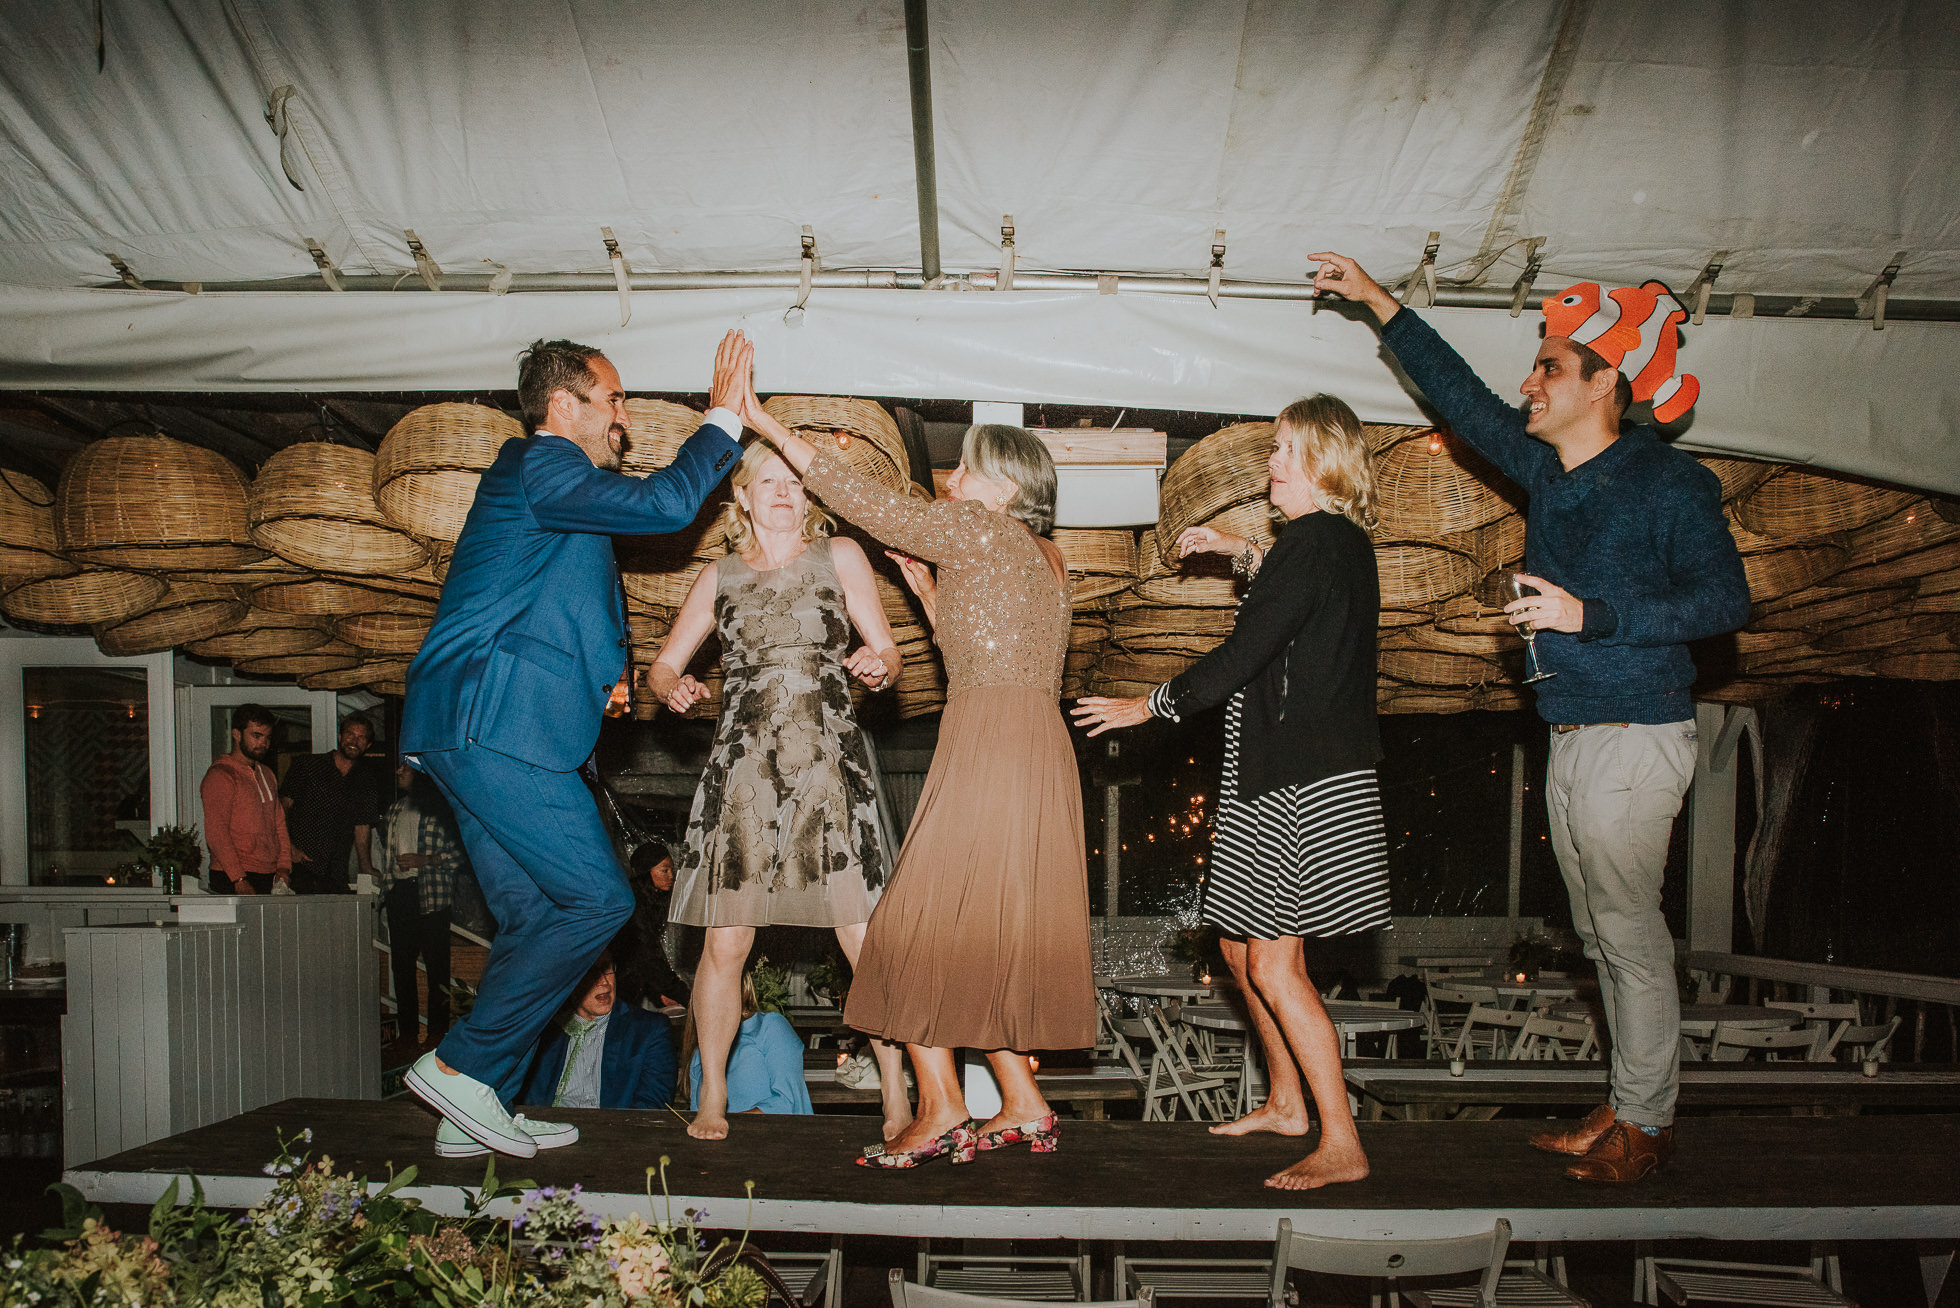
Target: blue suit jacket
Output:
{"points": [[530, 637], [637, 1068]]}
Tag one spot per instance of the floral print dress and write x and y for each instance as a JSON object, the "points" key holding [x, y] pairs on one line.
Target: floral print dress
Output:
{"points": [[784, 829]]}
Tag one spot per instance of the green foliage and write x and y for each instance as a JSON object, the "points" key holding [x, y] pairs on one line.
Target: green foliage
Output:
{"points": [[172, 849], [771, 985], [321, 1238], [832, 977], [1199, 947]]}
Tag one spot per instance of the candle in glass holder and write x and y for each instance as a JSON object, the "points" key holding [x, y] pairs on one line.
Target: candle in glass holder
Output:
{"points": [[842, 1058]]}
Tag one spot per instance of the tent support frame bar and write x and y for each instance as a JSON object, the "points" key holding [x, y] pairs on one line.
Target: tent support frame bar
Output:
{"points": [[925, 167], [1448, 297]]}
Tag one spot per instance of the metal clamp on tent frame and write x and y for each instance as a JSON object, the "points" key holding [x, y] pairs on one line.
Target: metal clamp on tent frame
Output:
{"points": [[621, 275], [810, 265], [129, 279], [1005, 280], [328, 273], [1872, 303], [1703, 284], [1533, 261], [1217, 266], [425, 264], [1419, 287]]}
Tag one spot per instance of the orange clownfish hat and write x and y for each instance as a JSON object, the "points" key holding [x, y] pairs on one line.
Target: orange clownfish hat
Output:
{"points": [[1632, 328]]}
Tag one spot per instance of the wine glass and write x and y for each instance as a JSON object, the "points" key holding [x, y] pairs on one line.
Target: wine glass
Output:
{"points": [[1499, 588]]}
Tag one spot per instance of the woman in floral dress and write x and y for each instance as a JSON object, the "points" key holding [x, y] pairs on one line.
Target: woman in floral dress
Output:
{"points": [[784, 829]]}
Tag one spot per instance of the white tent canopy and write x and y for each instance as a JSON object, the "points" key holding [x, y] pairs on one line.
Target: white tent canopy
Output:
{"points": [[1811, 141]]}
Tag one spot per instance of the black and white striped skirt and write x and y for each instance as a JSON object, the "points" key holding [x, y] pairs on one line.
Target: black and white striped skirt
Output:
{"points": [[1307, 860]]}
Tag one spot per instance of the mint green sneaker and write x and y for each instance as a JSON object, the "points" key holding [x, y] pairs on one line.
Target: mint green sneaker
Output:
{"points": [[453, 1142], [471, 1105]]}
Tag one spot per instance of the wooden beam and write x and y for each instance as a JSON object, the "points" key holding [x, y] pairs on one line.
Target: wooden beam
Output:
{"points": [[1861, 980], [1091, 446]]}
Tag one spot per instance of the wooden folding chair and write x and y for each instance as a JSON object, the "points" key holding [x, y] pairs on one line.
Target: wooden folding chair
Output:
{"points": [[906, 1294], [1491, 1026], [1441, 1028], [814, 1278], [1545, 1037], [1387, 1262], [1738, 1041], [1208, 1091], [1864, 1043], [1044, 1278], [1709, 1280]]}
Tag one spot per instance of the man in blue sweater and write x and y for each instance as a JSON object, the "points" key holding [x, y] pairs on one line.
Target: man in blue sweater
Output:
{"points": [[1632, 558]]}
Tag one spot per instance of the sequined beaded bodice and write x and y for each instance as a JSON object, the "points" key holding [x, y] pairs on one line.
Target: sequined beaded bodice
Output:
{"points": [[1003, 614]]}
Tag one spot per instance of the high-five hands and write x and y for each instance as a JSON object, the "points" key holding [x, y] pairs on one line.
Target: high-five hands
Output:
{"points": [[734, 360]]}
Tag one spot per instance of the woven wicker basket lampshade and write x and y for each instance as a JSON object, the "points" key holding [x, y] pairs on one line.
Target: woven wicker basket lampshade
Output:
{"points": [[251, 638], [331, 657], [314, 504], [1434, 485], [1099, 562], [361, 674], [83, 598], [426, 471], [1224, 469], [1803, 503], [27, 538], [875, 449], [383, 633], [659, 429], [189, 611], [153, 502], [319, 597], [1738, 476], [1775, 573], [1413, 574]]}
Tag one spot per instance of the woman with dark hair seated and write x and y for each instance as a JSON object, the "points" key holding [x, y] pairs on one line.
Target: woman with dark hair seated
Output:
{"points": [[646, 972]]}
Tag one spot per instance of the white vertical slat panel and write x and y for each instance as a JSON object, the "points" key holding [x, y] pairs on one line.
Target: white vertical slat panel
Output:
{"points": [[343, 959], [233, 1055], [78, 1062], [179, 1023], [134, 955], [285, 985], [368, 973], [316, 1018], [105, 968], [259, 1072]]}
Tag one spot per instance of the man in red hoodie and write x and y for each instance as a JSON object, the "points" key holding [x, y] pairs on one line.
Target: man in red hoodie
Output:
{"points": [[244, 823]]}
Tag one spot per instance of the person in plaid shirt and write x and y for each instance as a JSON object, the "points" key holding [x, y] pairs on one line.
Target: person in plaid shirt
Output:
{"points": [[417, 863]]}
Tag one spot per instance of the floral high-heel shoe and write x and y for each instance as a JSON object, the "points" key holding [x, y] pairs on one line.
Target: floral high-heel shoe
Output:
{"points": [[956, 1146], [1039, 1135]]}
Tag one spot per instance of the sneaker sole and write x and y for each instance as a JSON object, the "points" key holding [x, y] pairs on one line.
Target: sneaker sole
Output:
{"points": [[483, 1135], [556, 1140]]}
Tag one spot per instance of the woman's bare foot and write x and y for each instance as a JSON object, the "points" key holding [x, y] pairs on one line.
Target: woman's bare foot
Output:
{"points": [[1268, 1116], [711, 1118], [1328, 1165]]}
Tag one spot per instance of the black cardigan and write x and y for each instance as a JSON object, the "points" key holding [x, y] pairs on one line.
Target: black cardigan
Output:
{"points": [[1303, 650]]}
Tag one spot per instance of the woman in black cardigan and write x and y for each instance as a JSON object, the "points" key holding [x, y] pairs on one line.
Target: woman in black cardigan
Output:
{"points": [[1298, 845]]}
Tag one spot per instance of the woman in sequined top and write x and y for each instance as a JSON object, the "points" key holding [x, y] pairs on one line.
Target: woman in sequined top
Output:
{"points": [[981, 940]]}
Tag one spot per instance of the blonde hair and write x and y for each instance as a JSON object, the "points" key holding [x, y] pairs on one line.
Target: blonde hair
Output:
{"points": [[736, 525], [1014, 456], [1332, 450]]}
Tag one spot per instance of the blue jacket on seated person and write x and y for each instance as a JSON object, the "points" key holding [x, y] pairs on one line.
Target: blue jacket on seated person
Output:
{"points": [[637, 1067]]}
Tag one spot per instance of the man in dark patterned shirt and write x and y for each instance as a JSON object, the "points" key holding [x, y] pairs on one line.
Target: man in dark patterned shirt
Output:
{"points": [[331, 806], [417, 861]]}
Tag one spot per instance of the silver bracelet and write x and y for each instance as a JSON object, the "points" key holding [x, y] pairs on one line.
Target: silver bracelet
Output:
{"points": [[1242, 562]]}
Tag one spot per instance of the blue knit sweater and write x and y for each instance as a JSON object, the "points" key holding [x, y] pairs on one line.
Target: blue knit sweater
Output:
{"points": [[1636, 532]]}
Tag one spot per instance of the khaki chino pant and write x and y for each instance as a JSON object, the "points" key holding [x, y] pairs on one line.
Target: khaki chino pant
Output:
{"points": [[1613, 792]]}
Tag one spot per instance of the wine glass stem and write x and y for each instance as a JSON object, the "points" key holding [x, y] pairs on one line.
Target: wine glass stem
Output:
{"points": [[1531, 651]]}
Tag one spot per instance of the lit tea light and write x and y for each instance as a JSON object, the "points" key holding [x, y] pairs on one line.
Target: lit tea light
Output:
{"points": [[842, 1058], [1034, 1064], [1205, 980], [1520, 978]]}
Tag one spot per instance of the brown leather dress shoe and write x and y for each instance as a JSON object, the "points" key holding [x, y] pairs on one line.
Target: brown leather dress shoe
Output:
{"points": [[1580, 1138], [1625, 1153]]}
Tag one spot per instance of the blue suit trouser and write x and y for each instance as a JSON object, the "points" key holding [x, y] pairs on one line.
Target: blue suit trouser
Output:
{"points": [[555, 887]]}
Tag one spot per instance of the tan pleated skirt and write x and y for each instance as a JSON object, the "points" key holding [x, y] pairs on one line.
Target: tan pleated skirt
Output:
{"points": [[982, 938]]}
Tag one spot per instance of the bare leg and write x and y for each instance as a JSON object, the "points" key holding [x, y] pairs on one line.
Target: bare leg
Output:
{"points": [[1278, 969], [717, 1001], [1285, 1109], [1020, 1097], [942, 1101], [891, 1057]]}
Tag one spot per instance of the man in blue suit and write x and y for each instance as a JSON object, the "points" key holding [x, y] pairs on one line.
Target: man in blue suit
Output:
{"points": [[506, 696], [605, 1054]]}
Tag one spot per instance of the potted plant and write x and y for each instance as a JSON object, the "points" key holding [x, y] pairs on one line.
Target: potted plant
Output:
{"points": [[171, 854], [831, 979]]}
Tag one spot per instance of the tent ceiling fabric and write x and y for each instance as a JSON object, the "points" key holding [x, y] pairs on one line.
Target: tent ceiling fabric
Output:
{"points": [[1810, 138]]}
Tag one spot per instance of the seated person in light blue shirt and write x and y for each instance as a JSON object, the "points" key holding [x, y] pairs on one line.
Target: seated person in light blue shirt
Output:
{"points": [[765, 1068], [604, 1054]]}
